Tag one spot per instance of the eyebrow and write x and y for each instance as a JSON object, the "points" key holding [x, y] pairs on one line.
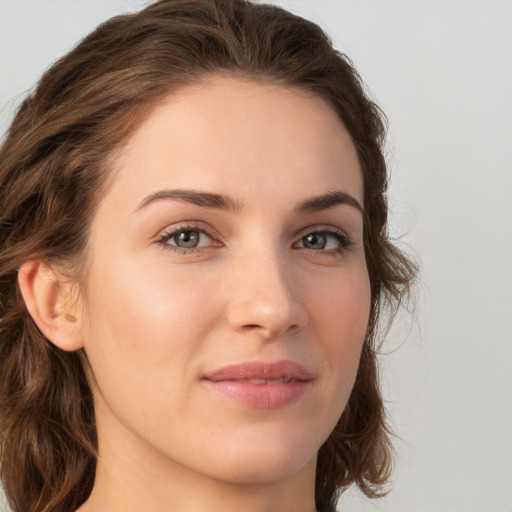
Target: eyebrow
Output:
{"points": [[204, 199], [224, 202], [329, 200]]}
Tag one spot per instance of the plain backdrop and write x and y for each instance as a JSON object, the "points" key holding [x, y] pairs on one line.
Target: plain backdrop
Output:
{"points": [[442, 72]]}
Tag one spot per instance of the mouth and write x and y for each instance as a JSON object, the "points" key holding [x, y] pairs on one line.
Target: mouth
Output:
{"points": [[269, 382], [261, 385]]}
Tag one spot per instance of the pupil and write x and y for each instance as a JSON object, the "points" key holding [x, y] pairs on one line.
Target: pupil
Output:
{"points": [[187, 239], [315, 241]]}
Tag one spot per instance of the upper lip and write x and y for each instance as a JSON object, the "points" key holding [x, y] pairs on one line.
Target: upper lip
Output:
{"points": [[288, 370]]}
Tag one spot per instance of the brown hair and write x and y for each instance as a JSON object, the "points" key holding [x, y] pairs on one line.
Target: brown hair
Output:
{"points": [[53, 169]]}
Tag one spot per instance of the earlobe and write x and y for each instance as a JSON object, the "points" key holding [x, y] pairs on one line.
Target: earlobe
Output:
{"points": [[49, 301]]}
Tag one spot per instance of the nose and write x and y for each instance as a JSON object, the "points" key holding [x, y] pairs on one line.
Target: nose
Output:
{"points": [[264, 299]]}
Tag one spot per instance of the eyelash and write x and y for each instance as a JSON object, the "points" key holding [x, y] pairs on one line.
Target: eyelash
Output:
{"points": [[344, 242], [169, 234]]}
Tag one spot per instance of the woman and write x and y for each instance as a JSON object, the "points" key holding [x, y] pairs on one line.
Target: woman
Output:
{"points": [[194, 260]]}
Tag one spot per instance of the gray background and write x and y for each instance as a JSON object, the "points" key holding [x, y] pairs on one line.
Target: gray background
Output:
{"points": [[442, 71]]}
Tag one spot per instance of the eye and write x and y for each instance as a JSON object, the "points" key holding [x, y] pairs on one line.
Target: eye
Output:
{"points": [[329, 240], [187, 239], [183, 238]]}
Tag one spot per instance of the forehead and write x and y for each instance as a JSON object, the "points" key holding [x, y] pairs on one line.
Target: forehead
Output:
{"points": [[241, 135]]}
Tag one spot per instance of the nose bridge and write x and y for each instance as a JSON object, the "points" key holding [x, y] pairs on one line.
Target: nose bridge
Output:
{"points": [[264, 297]]}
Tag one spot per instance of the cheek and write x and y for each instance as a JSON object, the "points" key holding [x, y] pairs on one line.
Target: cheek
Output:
{"points": [[131, 300], [339, 316], [145, 327], [340, 307]]}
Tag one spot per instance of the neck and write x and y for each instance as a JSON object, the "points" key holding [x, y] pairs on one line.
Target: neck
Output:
{"points": [[127, 486]]}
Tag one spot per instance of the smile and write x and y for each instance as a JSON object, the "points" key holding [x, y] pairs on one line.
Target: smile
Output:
{"points": [[261, 385], [270, 382]]}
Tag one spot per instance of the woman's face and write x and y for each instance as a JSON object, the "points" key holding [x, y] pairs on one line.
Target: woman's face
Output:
{"points": [[227, 291]]}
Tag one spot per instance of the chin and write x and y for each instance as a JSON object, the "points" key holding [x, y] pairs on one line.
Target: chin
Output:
{"points": [[266, 460], [276, 469]]}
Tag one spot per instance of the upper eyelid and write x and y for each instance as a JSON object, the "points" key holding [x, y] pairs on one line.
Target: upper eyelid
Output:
{"points": [[206, 227], [167, 234], [336, 233], [186, 226], [212, 232], [322, 228]]}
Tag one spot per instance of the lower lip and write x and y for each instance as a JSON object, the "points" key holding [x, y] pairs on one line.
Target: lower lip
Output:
{"points": [[261, 396]]}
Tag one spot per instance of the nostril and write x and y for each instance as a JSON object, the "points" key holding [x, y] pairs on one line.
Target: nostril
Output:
{"points": [[269, 333], [256, 328]]}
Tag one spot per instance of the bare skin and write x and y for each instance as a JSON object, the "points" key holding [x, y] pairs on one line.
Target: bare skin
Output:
{"points": [[232, 234]]}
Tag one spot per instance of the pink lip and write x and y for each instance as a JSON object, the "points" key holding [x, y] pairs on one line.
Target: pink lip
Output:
{"points": [[261, 385]]}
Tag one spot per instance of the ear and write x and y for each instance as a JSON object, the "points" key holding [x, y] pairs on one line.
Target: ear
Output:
{"points": [[51, 303]]}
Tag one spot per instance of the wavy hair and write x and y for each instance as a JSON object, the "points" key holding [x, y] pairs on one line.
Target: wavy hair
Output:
{"points": [[54, 167]]}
